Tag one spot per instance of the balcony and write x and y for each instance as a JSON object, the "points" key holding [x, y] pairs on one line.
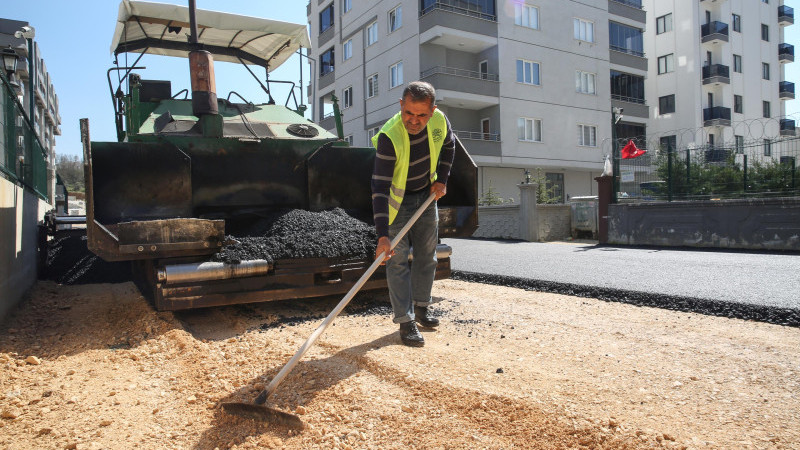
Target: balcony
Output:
{"points": [[785, 15], [785, 53], [463, 81], [630, 9], [787, 127], [477, 143], [447, 23], [472, 9], [714, 32], [716, 116], [716, 74], [786, 90]]}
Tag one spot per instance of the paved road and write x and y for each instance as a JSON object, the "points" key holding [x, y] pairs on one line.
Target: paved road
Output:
{"points": [[766, 279]]}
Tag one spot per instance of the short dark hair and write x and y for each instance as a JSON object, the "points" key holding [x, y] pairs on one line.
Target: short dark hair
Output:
{"points": [[418, 91]]}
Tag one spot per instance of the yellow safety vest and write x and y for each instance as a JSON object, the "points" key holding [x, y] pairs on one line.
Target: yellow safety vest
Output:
{"points": [[396, 131]]}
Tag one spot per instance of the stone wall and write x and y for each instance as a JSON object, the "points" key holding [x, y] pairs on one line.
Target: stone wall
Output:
{"points": [[554, 222], [756, 224], [498, 222]]}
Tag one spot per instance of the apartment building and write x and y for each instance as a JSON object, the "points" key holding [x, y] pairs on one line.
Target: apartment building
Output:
{"points": [[527, 84], [717, 76]]}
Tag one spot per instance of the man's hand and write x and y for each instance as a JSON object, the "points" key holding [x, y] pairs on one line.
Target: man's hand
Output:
{"points": [[384, 246], [438, 190]]}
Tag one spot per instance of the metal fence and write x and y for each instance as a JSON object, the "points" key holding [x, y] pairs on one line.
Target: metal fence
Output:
{"points": [[22, 156], [757, 168]]}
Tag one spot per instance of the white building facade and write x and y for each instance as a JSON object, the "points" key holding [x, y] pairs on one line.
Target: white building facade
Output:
{"points": [[526, 84]]}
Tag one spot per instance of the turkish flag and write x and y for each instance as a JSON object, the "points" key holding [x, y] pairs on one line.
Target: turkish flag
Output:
{"points": [[630, 151]]}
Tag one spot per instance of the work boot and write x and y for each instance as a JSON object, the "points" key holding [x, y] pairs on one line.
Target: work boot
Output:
{"points": [[410, 335], [424, 317]]}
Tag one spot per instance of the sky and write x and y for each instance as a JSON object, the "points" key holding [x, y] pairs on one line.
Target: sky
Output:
{"points": [[75, 38]]}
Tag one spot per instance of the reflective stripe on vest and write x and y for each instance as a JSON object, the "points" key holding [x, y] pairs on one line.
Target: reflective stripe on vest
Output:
{"points": [[396, 131]]}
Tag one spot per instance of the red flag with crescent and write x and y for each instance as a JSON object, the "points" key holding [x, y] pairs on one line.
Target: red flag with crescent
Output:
{"points": [[631, 151]]}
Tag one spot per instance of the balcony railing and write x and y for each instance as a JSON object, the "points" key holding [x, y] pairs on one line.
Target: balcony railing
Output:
{"points": [[477, 136], [785, 15], [787, 127], [714, 31], [629, 51], [717, 115], [460, 7], [786, 52], [624, 98], [716, 73], [632, 3], [786, 90], [460, 72]]}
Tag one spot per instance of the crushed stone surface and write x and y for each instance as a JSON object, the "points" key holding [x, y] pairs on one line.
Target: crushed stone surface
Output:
{"points": [[94, 366]]}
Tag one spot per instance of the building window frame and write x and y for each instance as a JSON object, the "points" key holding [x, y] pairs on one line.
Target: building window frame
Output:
{"points": [[349, 139], [767, 147], [664, 23], [372, 33], [737, 63], [583, 30], [738, 104], [347, 5], [765, 32], [396, 18], [372, 85], [371, 133], [666, 63], [529, 129], [326, 18], [396, 75], [347, 50], [327, 64], [766, 109], [738, 144], [587, 135], [528, 72], [736, 23], [585, 82], [526, 16], [347, 97], [765, 71], [666, 104]]}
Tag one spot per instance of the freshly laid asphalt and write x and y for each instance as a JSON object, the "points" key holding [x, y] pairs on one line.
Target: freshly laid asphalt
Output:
{"points": [[715, 279]]}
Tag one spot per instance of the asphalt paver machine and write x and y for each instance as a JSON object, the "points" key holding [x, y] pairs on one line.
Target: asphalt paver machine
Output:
{"points": [[189, 166]]}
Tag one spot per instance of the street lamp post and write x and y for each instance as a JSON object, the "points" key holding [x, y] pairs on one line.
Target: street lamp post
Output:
{"points": [[616, 116], [10, 59]]}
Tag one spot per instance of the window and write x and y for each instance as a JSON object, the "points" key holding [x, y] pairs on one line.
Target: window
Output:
{"points": [[664, 23], [396, 75], [584, 30], [395, 18], [326, 62], [349, 139], [526, 16], [372, 85], [737, 104], [527, 72], [764, 1], [764, 32], [737, 23], [668, 143], [347, 50], [372, 33], [623, 38], [738, 144], [326, 18], [529, 129], [766, 109], [765, 71], [347, 96], [627, 87], [666, 104], [587, 135], [483, 69], [370, 134], [767, 147], [347, 5], [585, 82], [665, 64], [737, 63]]}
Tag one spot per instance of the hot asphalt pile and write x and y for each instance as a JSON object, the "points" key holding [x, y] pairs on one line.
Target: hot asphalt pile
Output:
{"points": [[296, 233], [759, 313], [69, 261]]}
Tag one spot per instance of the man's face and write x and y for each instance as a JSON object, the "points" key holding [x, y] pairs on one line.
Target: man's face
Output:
{"points": [[416, 114]]}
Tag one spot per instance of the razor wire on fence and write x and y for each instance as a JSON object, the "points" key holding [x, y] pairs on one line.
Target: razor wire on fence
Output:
{"points": [[760, 162]]}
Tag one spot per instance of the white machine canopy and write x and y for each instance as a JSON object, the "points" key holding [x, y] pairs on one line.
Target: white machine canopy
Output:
{"points": [[162, 29]]}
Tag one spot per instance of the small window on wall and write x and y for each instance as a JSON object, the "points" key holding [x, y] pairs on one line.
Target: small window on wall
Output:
{"points": [[739, 144], [371, 133], [347, 5], [372, 85], [583, 30], [347, 97], [664, 23], [737, 104], [584, 82], [326, 62], [527, 72], [737, 63], [666, 104], [349, 139], [587, 135], [767, 147], [326, 18], [766, 109], [526, 16], [396, 75], [347, 50], [765, 71], [395, 19], [372, 33], [737, 23], [764, 32], [530, 130], [665, 64]]}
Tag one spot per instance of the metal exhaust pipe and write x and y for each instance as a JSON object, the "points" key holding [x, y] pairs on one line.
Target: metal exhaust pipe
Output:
{"points": [[201, 72], [207, 271]]}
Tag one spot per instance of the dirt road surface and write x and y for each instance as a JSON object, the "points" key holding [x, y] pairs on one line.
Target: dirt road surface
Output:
{"points": [[94, 366]]}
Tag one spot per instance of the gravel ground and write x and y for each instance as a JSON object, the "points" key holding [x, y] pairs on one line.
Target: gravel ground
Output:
{"points": [[94, 366]]}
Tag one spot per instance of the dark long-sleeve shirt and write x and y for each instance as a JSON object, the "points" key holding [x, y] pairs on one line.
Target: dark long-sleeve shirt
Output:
{"points": [[418, 171]]}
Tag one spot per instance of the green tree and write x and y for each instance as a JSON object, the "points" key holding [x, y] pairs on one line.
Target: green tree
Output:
{"points": [[490, 197], [70, 169]]}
